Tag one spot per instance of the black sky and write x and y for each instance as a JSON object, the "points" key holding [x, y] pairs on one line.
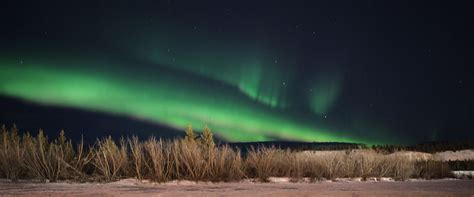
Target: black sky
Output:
{"points": [[406, 65]]}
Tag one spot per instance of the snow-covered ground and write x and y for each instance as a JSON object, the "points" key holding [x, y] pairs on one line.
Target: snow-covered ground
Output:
{"points": [[277, 187], [412, 155], [464, 174], [455, 155]]}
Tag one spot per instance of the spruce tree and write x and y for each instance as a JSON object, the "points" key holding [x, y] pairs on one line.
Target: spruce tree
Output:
{"points": [[190, 135], [207, 138]]}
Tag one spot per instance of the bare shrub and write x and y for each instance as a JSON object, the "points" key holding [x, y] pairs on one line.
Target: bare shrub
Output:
{"points": [[332, 164], [366, 164], [294, 165], [259, 163], [110, 159], [431, 169], [226, 165], [189, 159], [161, 164], [311, 166], [82, 159], [285, 164], [384, 168], [48, 161], [198, 159], [138, 160], [403, 168], [355, 163], [11, 154], [347, 164], [264, 162]]}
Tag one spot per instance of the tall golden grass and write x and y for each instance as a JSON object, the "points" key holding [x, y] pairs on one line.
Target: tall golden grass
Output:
{"points": [[196, 157]]}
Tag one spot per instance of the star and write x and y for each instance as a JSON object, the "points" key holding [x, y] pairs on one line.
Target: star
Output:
{"points": [[228, 11], [428, 52], [276, 61]]}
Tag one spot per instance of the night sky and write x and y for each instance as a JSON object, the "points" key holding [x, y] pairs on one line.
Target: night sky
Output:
{"points": [[346, 71]]}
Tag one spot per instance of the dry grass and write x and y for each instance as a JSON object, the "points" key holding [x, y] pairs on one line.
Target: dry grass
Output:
{"points": [[110, 159], [194, 158]]}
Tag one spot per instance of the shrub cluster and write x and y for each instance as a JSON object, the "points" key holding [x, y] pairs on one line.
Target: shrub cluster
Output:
{"points": [[461, 165], [196, 157], [264, 162]]}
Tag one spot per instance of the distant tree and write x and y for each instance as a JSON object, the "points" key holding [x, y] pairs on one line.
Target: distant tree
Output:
{"points": [[66, 146], [190, 135], [207, 138]]}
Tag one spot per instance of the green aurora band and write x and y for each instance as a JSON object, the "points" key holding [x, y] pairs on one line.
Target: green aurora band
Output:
{"points": [[253, 69], [237, 85], [324, 92], [170, 97]]}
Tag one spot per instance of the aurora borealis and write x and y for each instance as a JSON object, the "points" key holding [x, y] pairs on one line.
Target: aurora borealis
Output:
{"points": [[289, 71], [166, 97]]}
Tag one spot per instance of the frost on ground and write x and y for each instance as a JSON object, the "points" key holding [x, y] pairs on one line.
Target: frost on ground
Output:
{"points": [[459, 155], [455, 155], [464, 174], [278, 187]]}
